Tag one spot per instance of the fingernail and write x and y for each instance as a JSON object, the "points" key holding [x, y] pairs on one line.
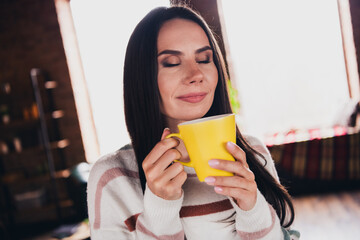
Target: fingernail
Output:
{"points": [[213, 162], [231, 145], [218, 189], [210, 180]]}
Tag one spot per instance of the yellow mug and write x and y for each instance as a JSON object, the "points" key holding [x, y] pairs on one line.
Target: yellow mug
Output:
{"points": [[206, 139]]}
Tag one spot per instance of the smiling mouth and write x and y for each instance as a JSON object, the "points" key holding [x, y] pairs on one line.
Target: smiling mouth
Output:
{"points": [[193, 97]]}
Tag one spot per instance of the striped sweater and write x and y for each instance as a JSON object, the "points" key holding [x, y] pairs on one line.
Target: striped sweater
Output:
{"points": [[118, 209]]}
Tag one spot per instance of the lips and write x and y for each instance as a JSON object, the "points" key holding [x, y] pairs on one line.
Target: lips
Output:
{"points": [[193, 97]]}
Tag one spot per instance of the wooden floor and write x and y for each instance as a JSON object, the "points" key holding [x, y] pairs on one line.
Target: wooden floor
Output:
{"points": [[329, 216]]}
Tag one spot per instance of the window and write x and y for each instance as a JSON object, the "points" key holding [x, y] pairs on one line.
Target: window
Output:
{"points": [[287, 62], [103, 29]]}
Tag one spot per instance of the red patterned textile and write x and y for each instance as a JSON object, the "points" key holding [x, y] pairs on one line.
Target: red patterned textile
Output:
{"points": [[318, 156]]}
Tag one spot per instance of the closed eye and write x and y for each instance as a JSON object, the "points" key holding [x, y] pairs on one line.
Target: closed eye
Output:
{"points": [[170, 64], [205, 60]]}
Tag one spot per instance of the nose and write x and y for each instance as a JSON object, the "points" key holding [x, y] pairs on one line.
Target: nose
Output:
{"points": [[194, 74]]}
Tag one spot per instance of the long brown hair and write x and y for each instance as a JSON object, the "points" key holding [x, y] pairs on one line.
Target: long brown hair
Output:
{"points": [[146, 123]]}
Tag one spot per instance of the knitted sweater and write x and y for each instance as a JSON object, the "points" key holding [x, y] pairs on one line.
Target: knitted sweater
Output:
{"points": [[118, 209]]}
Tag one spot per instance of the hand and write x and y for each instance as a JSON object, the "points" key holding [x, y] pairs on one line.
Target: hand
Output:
{"points": [[242, 186], [163, 178]]}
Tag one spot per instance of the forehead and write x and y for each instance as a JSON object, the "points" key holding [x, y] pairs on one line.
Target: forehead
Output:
{"points": [[179, 32]]}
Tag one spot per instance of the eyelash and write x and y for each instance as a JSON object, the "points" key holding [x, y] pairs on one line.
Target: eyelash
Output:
{"points": [[170, 64], [205, 61], [177, 64]]}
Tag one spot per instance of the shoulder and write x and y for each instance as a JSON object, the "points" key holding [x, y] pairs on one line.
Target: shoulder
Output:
{"points": [[260, 147], [257, 145], [113, 190], [122, 161], [124, 157]]}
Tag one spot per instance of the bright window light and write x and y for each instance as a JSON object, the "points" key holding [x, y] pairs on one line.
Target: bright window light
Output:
{"points": [[287, 62], [103, 29]]}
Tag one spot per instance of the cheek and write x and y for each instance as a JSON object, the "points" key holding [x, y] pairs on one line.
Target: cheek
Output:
{"points": [[165, 90], [168, 81], [214, 78]]}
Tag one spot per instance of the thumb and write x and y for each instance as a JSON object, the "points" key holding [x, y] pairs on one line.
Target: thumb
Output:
{"points": [[165, 133]]}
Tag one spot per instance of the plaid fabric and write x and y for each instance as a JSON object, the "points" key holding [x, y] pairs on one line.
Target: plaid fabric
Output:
{"points": [[332, 158]]}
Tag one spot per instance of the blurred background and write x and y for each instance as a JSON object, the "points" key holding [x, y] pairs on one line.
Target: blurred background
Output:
{"points": [[293, 80]]}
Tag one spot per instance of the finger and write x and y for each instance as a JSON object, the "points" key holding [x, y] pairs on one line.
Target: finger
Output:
{"points": [[159, 149], [165, 133], [174, 186], [245, 199], [237, 193], [166, 159], [178, 181], [237, 152], [180, 175], [170, 173], [234, 181], [234, 167]]}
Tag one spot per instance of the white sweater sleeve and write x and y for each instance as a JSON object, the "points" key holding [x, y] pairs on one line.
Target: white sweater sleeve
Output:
{"points": [[161, 216], [118, 209], [261, 222]]}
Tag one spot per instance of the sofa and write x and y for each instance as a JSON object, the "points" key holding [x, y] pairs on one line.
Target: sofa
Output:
{"points": [[320, 161]]}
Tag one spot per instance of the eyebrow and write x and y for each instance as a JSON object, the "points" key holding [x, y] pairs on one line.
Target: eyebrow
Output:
{"points": [[175, 52]]}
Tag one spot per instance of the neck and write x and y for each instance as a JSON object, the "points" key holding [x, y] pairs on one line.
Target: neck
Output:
{"points": [[173, 124]]}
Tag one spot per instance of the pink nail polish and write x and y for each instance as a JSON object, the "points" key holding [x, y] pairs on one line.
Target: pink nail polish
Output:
{"points": [[210, 180], [218, 189], [213, 163], [231, 145]]}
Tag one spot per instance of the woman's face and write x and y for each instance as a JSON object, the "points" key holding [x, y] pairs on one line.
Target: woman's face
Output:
{"points": [[187, 75]]}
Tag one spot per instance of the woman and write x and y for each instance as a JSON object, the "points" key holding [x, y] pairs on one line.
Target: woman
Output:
{"points": [[174, 72]]}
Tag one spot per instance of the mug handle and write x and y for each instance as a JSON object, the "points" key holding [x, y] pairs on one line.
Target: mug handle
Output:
{"points": [[187, 164]]}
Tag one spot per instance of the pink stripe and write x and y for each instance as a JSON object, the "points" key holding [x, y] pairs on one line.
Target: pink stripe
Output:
{"points": [[259, 234], [204, 209], [105, 179], [176, 236]]}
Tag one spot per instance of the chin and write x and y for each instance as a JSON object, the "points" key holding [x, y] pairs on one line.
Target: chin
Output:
{"points": [[191, 115]]}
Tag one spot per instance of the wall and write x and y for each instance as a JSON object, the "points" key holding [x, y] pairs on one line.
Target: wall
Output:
{"points": [[30, 37], [355, 17], [209, 11]]}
